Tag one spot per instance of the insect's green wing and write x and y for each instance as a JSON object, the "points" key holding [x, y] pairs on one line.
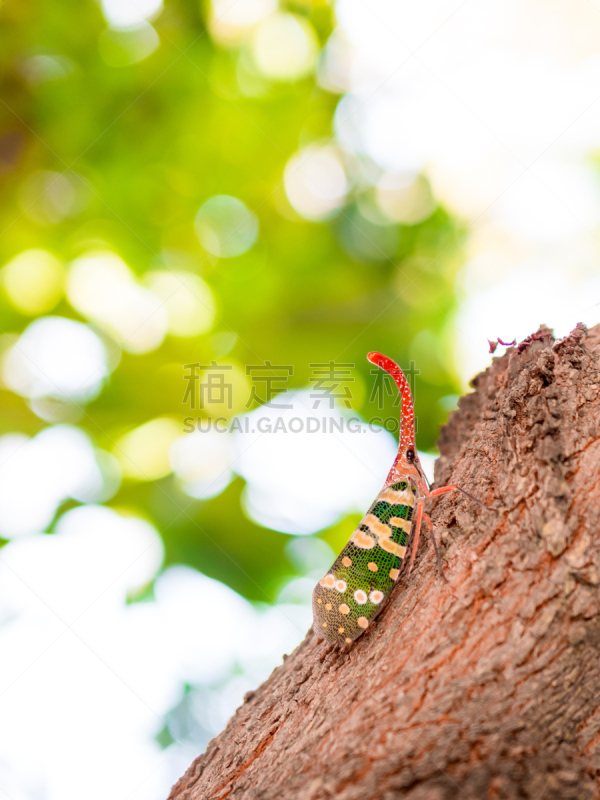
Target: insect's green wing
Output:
{"points": [[352, 593]]}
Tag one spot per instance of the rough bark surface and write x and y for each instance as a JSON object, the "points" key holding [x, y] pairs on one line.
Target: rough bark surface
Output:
{"points": [[487, 686]]}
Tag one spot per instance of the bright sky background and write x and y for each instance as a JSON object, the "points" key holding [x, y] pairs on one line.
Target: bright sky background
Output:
{"points": [[498, 105], [490, 108]]}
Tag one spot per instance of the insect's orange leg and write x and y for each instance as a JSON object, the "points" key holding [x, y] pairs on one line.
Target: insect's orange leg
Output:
{"points": [[422, 517], [452, 488], [442, 490], [417, 533]]}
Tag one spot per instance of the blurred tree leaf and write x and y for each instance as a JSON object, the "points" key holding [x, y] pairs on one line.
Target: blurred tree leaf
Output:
{"points": [[114, 139]]}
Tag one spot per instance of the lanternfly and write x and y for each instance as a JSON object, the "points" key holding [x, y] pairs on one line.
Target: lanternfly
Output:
{"points": [[351, 594]]}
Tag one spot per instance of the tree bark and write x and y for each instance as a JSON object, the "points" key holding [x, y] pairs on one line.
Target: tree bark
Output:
{"points": [[487, 686]]}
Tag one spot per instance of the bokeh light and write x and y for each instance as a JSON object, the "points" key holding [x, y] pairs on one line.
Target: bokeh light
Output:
{"points": [[102, 287], [56, 357], [144, 452], [231, 23], [33, 281], [203, 462], [126, 13], [284, 47], [226, 227], [43, 67], [315, 182], [49, 197], [405, 199], [38, 474], [120, 47], [187, 299]]}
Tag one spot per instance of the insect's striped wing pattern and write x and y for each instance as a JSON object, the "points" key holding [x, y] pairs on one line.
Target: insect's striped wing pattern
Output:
{"points": [[351, 594]]}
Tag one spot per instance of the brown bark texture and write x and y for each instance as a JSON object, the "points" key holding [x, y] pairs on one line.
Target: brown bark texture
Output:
{"points": [[487, 686]]}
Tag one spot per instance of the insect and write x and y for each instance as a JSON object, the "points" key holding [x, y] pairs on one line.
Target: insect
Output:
{"points": [[351, 594], [494, 345]]}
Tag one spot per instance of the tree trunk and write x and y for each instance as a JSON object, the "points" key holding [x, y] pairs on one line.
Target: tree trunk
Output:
{"points": [[487, 686]]}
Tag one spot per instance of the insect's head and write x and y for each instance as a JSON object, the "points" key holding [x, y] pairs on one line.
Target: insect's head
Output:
{"points": [[411, 460]]}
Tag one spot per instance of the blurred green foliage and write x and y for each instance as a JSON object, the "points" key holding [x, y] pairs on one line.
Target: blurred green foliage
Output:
{"points": [[143, 145]]}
